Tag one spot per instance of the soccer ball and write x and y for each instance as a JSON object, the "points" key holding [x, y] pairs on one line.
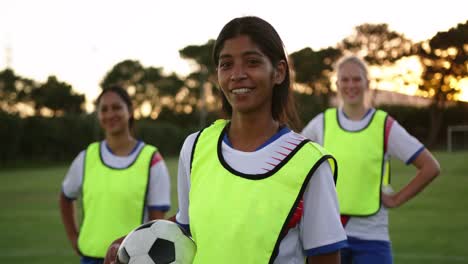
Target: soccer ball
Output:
{"points": [[157, 242]]}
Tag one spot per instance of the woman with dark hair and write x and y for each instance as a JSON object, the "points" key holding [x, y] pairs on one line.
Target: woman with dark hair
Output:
{"points": [[119, 176], [250, 189]]}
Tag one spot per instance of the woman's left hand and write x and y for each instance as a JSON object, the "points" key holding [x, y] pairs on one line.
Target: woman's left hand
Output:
{"points": [[390, 200], [111, 255]]}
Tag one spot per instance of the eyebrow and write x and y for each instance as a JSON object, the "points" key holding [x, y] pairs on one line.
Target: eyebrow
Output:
{"points": [[246, 53]]}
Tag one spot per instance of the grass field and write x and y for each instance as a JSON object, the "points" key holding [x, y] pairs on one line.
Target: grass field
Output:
{"points": [[433, 227], [430, 229]]}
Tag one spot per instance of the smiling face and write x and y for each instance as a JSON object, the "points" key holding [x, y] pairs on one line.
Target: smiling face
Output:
{"points": [[246, 75], [113, 114], [352, 84]]}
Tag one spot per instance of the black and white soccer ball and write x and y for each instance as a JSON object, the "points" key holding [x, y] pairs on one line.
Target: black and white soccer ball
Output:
{"points": [[157, 242]]}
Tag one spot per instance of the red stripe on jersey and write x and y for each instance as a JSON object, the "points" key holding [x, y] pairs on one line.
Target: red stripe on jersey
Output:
{"points": [[281, 153], [297, 215], [272, 164], [344, 219], [299, 139], [277, 159], [156, 158], [388, 126], [289, 149]]}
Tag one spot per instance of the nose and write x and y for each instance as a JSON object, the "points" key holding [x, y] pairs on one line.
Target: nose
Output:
{"points": [[238, 74]]}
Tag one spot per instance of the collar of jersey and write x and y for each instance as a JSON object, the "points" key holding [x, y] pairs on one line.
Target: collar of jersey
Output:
{"points": [[131, 152], [367, 113], [281, 131]]}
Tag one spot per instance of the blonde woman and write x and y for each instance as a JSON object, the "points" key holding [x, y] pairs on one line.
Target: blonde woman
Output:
{"points": [[362, 139]]}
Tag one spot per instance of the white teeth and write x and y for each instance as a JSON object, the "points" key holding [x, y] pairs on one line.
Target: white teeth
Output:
{"points": [[241, 91]]}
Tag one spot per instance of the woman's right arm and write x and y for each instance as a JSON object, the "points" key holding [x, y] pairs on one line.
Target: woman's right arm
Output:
{"points": [[71, 188], [330, 258], [67, 211]]}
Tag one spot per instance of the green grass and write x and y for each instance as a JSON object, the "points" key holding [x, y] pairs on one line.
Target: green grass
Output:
{"points": [[31, 230], [431, 228]]}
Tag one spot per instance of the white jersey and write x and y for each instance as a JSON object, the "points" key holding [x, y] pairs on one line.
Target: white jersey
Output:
{"points": [[319, 229], [399, 144], [158, 195]]}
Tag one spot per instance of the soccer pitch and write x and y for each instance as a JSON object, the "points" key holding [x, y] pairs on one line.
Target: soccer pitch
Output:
{"points": [[430, 229], [433, 227]]}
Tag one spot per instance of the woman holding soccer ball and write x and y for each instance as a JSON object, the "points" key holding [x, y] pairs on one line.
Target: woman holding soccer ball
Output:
{"points": [[363, 139], [250, 189], [120, 177]]}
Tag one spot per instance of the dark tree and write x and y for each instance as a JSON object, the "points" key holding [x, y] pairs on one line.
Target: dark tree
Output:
{"points": [[377, 44], [202, 81], [445, 61], [14, 89], [58, 97], [313, 69], [150, 89]]}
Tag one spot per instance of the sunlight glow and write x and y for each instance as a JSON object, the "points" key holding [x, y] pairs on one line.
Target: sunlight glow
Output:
{"points": [[404, 77], [146, 109], [463, 95]]}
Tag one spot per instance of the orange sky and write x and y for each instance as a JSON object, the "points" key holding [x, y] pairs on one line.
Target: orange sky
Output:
{"points": [[410, 69]]}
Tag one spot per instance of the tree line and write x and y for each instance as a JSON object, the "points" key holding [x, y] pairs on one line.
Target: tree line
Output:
{"points": [[192, 101]]}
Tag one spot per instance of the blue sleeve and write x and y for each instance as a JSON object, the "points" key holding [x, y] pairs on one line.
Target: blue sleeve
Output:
{"points": [[186, 227], [415, 155], [326, 248], [162, 208]]}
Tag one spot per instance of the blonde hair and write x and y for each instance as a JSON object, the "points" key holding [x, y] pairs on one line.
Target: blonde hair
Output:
{"points": [[352, 59]]}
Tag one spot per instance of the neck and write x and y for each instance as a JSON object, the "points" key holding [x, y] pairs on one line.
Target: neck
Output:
{"points": [[247, 133], [355, 112], [121, 144]]}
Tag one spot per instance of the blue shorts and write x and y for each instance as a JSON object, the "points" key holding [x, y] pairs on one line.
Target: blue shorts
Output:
{"points": [[89, 260], [366, 252]]}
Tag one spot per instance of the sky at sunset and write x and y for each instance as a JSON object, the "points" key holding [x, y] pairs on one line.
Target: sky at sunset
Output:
{"points": [[79, 41]]}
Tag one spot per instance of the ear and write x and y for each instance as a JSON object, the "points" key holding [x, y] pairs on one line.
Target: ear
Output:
{"points": [[280, 72]]}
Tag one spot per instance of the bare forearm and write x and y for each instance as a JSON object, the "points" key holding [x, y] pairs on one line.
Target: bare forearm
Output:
{"points": [[111, 254], [423, 178], [156, 214], [428, 169], [331, 258], [67, 210]]}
